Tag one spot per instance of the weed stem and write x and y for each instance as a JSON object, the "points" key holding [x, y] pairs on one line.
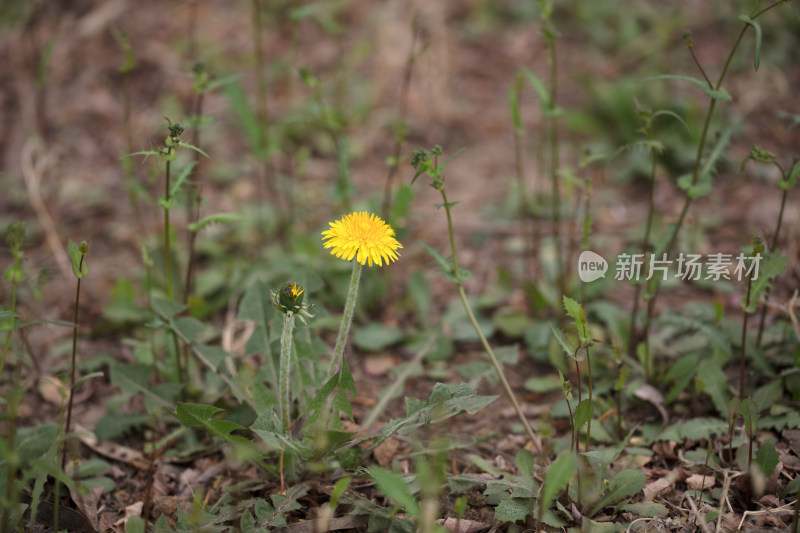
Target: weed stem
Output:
{"points": [[285, 367], [463, 295], [347, 320]]}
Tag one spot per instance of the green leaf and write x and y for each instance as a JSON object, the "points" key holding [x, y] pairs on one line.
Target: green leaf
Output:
{"points": [[375, 337], [420, 292], [648, 509], [625, 484], [513, 510], [704, 178], [767, 458], [268, 427], [217, 218], [524, 461], [447, 266], [695, 429], [200, 416], [443, 403], [75, 256], [541, 91], [134, 379], [272, 516], [578, 315], [34, 442], [134, 525], [166, 309], [559, 474], [247, 118], [543, 384], [749, 411], [715, 94], [396, 488], [791, 179], [757, 27], [715, 383], [792, 488], [772, 268], [567, 346], [583, 413], [114, 425]]}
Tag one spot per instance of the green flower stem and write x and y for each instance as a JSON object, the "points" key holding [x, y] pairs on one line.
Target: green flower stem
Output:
{"points": [[167, 254], [168, 269], [347, 319], [285, 367], [486, 346]]}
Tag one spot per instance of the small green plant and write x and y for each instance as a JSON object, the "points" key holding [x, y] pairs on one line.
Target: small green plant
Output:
{"points": [[425, 162], [786, 183], [77, 253], [698, 183], [585, 408], [289, 301]]}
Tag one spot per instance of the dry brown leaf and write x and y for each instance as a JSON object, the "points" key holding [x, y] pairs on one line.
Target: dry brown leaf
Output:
{"points": [[663, 485], [454, 525], [131, 510], [666, 449], [379, 364], [112, 450], [87, 505], [335, 524], [386, 451], [653, 395], [700, 482], [792, 436], [52, 390]]}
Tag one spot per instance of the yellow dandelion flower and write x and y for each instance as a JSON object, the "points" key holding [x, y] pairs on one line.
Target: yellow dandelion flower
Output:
{"points": [[363, 236]]}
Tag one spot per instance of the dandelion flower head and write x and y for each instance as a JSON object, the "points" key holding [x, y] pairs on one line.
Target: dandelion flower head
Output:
{"points": [[364, 236]]}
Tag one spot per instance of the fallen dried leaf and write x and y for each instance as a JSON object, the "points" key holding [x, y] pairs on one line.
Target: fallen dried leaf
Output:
{"points": [[663, 485], [700, 482], [386, 451], [453, 525]]}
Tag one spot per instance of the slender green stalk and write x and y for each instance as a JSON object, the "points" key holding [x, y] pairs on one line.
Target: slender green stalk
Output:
{"points": [[168, 268], [347, 320], [772, 246], [167, 251], [12, 315], [744, 339], [644, 249], [285, 367], [572, 443], [12, 462], [591, 398], [15, 237], [72, 373], [486, 346]]}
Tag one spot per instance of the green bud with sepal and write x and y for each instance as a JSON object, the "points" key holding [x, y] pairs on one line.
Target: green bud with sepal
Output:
{"points": [[289, 301]]}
